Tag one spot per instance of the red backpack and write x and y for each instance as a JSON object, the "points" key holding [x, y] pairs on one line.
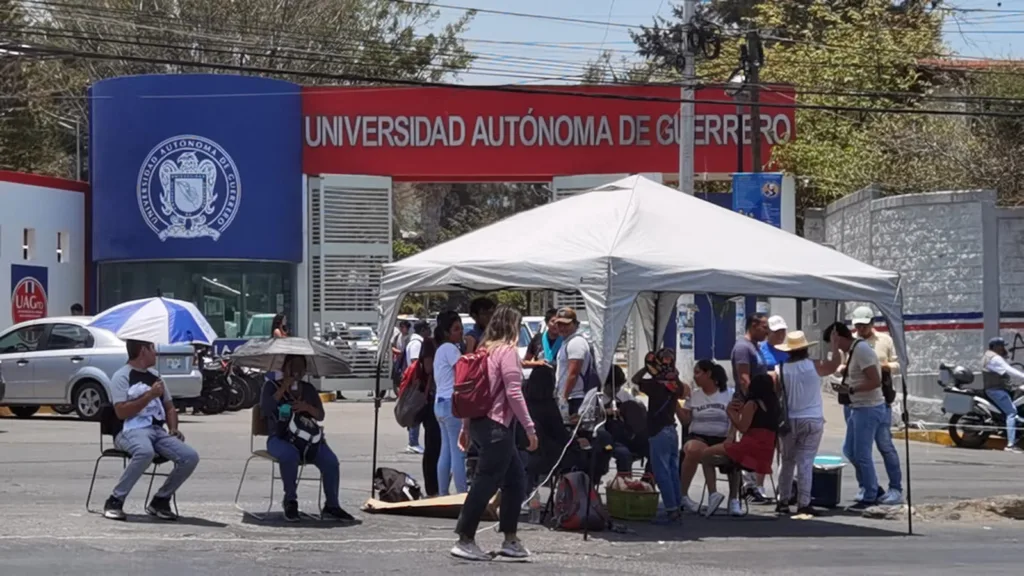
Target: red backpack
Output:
{"points": [[472, 397]]}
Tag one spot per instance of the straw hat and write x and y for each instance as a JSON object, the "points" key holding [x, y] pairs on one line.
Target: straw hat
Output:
{"points": [[795, 340]]}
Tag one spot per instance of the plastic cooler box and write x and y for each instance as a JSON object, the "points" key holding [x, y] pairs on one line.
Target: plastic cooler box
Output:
{"points": [[827, 482]]}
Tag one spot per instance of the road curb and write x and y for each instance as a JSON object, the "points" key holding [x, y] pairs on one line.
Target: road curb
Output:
{"points": [[941, 437], [43, 410]]}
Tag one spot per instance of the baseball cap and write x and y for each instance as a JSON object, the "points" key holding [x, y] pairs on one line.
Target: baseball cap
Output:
{"points": [[566, 316], [863, 315], [776, 323]]}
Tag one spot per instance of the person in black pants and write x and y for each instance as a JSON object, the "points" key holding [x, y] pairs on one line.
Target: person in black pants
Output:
{"points": [[499, 466], [431, 429]]}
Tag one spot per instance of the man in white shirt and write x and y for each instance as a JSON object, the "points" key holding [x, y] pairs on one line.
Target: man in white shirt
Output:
{"points": [[996, 373], [862, 381], [574, 360], [421, 330], [144, 404], [863, 321]]}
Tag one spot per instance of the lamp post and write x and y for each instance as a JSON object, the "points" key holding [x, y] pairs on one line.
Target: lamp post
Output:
{"points": [[736, 88]]}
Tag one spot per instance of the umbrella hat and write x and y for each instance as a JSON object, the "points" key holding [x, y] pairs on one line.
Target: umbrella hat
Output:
{"points": [[268, 354], [158, 320]]}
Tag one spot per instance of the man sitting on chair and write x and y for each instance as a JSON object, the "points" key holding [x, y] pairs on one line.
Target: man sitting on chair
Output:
{"points": [[285, 394], [144, 405]]}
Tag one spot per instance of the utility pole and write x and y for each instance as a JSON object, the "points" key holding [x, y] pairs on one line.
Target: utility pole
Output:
{"points": [[755, 59], [687, 117]]}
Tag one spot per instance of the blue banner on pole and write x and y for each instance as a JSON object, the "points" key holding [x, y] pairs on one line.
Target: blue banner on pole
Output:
{"points": [[758, 195]]}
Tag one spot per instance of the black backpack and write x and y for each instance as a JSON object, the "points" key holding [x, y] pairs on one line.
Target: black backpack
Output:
{"points": [[395, 486]]}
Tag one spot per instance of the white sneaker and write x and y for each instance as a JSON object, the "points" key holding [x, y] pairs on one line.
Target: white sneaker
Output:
{"points": [[514, 549], [891, 498], [860, 496], [1013, 449], [414, 450], [735, 509], [714, 502], [690, 506], [469, 551]]}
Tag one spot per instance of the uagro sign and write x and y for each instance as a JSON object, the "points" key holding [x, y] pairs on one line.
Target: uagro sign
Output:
{"points": [[28, 293], [463, 134]]}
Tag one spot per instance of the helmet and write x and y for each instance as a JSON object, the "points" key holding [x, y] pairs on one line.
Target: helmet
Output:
{"points": [[996, 342], [962, 375]]}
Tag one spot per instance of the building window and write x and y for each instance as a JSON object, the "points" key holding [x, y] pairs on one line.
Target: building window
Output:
{"points": [[62, 247], [238, 298], [28, 243]]}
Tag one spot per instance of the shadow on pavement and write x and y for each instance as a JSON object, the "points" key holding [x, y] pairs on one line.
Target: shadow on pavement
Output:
{"points": [[695, 528], [182, 521], [276, 520]]}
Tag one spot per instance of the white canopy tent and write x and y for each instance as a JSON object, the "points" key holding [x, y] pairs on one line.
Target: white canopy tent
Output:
{"points": [[630, 242]]}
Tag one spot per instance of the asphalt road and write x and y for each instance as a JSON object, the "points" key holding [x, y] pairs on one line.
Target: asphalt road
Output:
{"points": [[46, 463]]}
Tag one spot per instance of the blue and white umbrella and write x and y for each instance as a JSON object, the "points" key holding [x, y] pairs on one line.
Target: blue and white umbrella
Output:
{"points": [[158, 320]]}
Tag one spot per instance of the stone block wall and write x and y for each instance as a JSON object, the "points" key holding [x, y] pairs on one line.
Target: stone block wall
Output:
{"points": [[1011, 280], [937, 242]]}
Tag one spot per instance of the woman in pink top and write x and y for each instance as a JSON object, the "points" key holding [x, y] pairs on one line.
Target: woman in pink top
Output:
{"points": [[499, 465]]}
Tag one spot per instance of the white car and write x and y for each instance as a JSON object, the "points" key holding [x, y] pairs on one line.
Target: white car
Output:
{"points": [[64, 361]]}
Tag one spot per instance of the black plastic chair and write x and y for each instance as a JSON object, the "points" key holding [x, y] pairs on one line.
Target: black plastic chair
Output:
{"points": [[111, 426]]}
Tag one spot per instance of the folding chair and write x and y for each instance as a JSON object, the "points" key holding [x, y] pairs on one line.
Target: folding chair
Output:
{"points": [[730, 469], [110, 425], [259, 428]]}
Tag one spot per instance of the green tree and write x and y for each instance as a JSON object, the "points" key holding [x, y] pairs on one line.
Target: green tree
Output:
{"points": [[306, 41], [852, 53], [25, 142]]}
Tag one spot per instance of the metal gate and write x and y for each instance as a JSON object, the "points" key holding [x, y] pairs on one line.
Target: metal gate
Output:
{"points": [[350, 241]]}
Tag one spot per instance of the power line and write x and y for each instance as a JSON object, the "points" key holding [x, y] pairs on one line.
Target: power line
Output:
{"points": [[507, 88]]}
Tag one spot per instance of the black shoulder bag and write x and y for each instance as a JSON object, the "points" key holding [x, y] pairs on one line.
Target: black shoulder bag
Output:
{"points": [[784, 426], [844, 397]]}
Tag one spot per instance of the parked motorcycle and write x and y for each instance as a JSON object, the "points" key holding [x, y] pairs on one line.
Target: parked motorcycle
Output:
{"points": [[973, 417]]}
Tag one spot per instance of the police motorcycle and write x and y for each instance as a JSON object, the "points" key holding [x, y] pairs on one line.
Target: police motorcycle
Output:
{"points": [[973, 418]]}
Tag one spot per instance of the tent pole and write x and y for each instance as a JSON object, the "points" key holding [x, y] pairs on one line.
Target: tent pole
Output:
{"points": [[906, 447], [376, 425]]}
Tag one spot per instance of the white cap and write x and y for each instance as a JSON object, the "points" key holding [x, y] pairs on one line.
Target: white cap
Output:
{"points": [[863, 315], [776, 323]]}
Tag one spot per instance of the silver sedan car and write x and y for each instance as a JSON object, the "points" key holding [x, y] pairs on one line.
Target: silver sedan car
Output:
{"points": [[64, 361]]}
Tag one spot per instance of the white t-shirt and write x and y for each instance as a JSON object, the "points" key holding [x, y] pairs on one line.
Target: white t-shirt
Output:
{"points": [[707, 412], [126, 385], [575, 348], [412, 350], [803, 390], [861, 357], [444, 369]]}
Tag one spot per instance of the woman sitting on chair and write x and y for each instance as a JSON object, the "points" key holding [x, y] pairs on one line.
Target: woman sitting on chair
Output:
{"points": [[705, 415], [757, 420]]}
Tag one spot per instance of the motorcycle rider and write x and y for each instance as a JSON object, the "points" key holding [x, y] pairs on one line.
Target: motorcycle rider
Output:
{"points": [[996, 373]]}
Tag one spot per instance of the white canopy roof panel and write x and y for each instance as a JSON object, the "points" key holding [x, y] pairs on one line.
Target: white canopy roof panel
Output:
{"points": [[636, 236]]}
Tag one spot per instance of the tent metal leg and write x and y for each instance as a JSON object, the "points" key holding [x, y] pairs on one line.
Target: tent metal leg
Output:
{"points": [[376, 426], [906, 447]]}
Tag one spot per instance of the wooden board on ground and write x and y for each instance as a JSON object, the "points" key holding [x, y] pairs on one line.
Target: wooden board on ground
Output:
{"points": [[439, 507]]}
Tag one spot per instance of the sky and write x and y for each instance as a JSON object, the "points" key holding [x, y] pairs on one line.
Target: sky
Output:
{"points": [[525, 50]]}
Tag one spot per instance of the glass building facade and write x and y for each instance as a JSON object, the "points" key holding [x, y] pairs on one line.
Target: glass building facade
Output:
{"points": [[239, 298]]}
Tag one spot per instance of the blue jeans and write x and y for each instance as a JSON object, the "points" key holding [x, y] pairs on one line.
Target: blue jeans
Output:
{"points": [[287, 456], [414, 435], [861, 433], [664, 448], [883, 440], [1002, 400], [452, 463], [144, 444]]}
